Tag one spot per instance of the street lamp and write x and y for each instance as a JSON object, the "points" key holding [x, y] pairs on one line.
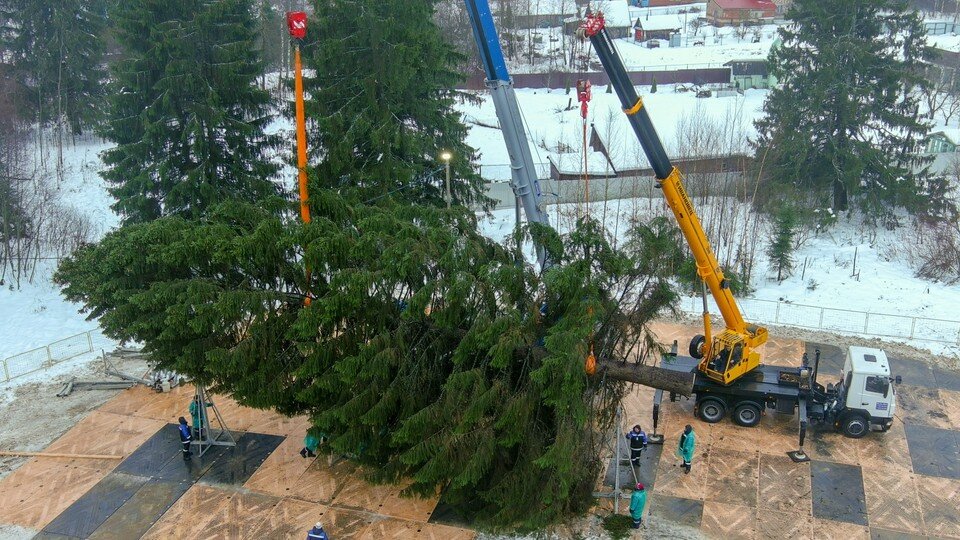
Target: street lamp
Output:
{"points": [[446, 158]]}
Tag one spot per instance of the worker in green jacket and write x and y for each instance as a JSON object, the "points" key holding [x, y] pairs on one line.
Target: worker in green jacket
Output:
{"points": [[688, 442], [310, 444], [637, 502], [195, 416]]}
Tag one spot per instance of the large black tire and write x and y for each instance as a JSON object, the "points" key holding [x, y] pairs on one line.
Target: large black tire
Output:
{"points": [[711, 410], [746, 414], [854, 425], [696, 346]]}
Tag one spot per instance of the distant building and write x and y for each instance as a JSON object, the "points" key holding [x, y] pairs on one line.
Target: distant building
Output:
{"points": [[727, 12], [659, 27], [943, 70], [746, 74], [663, 3], [544, 13], [943, 141], [616, 14], [783, 6]]}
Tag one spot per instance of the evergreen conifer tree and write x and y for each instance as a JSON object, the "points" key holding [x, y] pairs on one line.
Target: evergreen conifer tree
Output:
{"points": [[780, 250], [424, 352], [56, 50], [843, 123], [185, 109], [381, 101]]}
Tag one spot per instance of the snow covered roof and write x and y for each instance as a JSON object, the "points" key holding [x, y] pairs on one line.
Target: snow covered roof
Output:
{"points": [[664, 22], [615, 12], [572, 163], [952, 134], [746, 4]]}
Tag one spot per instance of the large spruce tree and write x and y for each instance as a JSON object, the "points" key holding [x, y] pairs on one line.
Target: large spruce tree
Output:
{"points": [[185, 110], [381, 101], [425, 350], [843, 124], [56, 51]]}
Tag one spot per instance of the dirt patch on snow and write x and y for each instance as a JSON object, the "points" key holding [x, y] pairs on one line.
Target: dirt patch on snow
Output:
{"points": [[32, 416], [591, 528]]}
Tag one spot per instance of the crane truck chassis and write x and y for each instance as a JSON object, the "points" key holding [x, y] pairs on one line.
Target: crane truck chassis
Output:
{"points": [[864, 398]]}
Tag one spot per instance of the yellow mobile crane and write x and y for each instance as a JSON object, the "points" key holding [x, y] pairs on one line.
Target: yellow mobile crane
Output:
{"points": [[732, 353]]}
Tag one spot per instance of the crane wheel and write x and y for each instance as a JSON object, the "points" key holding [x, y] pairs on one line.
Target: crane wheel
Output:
{"points": [[746, 414], [711, 410], [696, 346], [854, 425]]}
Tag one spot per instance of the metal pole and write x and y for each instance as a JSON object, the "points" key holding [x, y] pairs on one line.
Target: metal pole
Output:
{"points": [[449, 198], [616, 468]]}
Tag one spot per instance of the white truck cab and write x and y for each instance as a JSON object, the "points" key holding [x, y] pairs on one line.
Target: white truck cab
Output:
{"points": [[869, 386]]}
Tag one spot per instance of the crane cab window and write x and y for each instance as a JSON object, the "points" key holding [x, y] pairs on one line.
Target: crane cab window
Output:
{"points": [[877, 385], [737, 355]]}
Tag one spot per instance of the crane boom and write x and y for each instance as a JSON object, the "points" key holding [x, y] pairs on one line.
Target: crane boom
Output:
{"points": [[524, 181], [733, 352]]}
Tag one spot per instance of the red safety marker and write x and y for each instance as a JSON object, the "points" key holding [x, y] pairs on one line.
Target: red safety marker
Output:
{"points": [[583, 96], [297, 23]]}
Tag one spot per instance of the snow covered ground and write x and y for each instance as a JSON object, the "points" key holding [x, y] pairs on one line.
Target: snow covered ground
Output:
{"points": [[553, 121], [37, 315]]}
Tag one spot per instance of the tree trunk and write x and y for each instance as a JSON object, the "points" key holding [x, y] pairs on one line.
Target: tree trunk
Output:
{"points": [[654, 377]]}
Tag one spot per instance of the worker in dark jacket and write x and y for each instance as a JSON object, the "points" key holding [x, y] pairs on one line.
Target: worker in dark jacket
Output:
{"points": [[686, 446], [638, 442], [317, 533], [185, 438]]}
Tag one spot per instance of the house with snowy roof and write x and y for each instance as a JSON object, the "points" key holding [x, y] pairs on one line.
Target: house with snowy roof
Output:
{"points": [[544, 13], [943, 141], [727, 12]]}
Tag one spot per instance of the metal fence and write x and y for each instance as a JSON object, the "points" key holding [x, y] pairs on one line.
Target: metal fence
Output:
{"points": [[839, 320], [50, 355]]}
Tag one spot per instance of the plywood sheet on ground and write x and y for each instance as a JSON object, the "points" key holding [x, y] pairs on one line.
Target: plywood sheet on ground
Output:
{"points": [[52, 492], [280, 473]]}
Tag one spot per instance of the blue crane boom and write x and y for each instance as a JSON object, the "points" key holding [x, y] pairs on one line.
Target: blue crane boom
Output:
{"points": [[523, 173]]}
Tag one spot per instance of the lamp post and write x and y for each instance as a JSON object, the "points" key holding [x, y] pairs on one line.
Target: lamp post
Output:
{"points": [[446, 158]]}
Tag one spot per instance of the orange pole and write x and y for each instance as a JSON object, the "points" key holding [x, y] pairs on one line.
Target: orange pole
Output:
{"points": [[301, 137], [301, 149]]}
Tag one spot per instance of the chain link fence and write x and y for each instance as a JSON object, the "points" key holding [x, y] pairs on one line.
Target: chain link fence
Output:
{"points": [[50, 355], [838, 320]]}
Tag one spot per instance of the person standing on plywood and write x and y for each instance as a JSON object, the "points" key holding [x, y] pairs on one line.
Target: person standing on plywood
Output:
{"points": [[310, 444], [185, 438], [317, 533], [637, 503], [685, 448], [195, 414], [638, 442]]}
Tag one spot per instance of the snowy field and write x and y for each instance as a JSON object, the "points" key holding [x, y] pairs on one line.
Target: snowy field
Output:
{"points": [[37, 315], [553, 121]]}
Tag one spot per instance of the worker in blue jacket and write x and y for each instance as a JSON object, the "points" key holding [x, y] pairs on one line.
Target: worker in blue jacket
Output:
{"points": [[638, 442], [637, 503], [317, 533], [185, 438]]}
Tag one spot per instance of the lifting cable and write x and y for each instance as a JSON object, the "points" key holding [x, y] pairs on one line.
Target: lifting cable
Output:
{"points": [[583, 96]]}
